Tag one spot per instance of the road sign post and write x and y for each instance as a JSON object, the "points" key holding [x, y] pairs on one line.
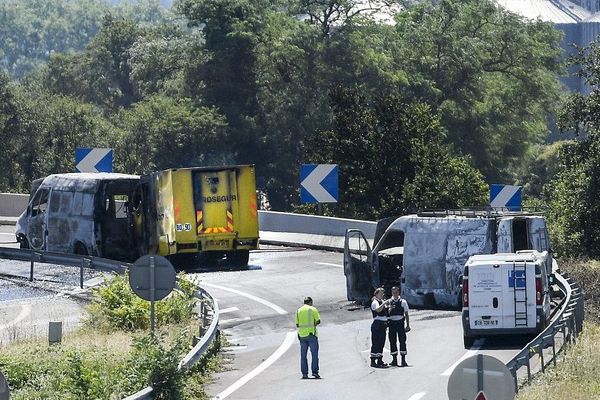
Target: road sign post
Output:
{"points": [[152, 278], [319, 183], [481, 377]]}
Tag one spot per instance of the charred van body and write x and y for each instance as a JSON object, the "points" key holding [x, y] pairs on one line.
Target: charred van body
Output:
{"points": [[80, 213], [426, 252]]}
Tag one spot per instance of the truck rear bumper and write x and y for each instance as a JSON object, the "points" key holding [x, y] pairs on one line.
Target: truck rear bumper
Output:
{"points": [[468, 332]]}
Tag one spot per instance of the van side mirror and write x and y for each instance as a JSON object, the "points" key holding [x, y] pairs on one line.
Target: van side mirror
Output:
{"points": [[551, 279], [460, 280]]}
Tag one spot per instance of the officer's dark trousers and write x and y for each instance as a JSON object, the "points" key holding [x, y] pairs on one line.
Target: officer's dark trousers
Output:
{"points": [[377, 338], [397, 334]]}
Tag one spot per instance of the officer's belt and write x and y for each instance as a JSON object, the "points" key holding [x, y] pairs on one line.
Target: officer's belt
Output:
{"points": [[380, 318], [396, 317]]}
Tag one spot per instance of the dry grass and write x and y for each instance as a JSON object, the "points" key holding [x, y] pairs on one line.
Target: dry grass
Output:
{"points": [[577, 377], [574, 379]]}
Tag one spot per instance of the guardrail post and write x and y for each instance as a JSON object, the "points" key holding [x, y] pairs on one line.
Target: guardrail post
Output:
{"points": [[541, 350], [554, 348], [528, 369], [31, 269]]}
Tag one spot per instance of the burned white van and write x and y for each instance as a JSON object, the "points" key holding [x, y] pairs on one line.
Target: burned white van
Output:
{"points": [[80, 213], [506, 294], [426, 252]]}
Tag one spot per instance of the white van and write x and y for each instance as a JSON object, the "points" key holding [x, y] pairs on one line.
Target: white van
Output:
{"points": [[80, 213], [505, 294]]}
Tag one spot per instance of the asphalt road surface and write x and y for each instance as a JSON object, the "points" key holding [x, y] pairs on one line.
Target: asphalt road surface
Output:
{"points": [[262, 361], [257, 317]]}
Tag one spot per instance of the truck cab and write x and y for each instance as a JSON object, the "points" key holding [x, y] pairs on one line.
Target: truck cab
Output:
{"points": [[505, 294]]}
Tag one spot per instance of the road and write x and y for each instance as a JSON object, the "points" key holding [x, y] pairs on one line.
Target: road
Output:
{"points": [[26, 308], [262, 362], [257, 309]]}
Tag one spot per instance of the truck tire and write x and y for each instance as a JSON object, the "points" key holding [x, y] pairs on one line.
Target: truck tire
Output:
{"points": [[238, 258], [468, 341]]}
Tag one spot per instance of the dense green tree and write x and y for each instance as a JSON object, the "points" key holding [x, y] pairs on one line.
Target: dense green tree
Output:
{"points": [[32, 30], [162, 132], [573, 196], [490, 73], [392, 158]]}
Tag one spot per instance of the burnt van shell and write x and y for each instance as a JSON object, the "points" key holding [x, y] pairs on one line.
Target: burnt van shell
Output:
{"points": [[81, 213]]}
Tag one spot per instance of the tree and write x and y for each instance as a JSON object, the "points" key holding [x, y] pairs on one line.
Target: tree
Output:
{"points": [[573, 195], [392, 158], [162, 132], [489, 73], [33, 30]]}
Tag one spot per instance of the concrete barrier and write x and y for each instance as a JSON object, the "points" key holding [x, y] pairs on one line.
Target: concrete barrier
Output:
{"points": [[312, 231], [13, 204], [273, 221]]}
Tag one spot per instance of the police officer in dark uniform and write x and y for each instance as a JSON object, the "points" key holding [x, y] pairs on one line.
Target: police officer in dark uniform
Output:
{"points": [[398, 315], [378, 328]]}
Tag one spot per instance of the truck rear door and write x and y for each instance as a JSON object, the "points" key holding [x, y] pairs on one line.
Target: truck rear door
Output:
{"points": [[215, 198], [519, 296], [486, 309]]}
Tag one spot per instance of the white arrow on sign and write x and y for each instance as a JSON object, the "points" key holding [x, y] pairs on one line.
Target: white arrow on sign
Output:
{"points": [[89, 162], [312, 183]]}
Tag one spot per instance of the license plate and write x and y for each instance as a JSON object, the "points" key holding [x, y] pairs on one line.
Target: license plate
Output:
{"points": [[217, 243], [486, 322]]}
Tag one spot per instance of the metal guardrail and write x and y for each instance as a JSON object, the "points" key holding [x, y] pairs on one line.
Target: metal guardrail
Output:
{"points": [[209, 309], [568, 321]]}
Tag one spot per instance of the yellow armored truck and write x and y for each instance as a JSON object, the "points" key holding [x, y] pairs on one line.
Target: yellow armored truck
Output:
{"points": [[179, 213]]}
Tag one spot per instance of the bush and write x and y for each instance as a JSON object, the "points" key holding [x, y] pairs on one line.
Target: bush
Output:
{"points": [[115, 306]]}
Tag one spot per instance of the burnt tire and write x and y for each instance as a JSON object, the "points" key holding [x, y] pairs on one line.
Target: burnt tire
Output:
{"points": [[238, 258]]}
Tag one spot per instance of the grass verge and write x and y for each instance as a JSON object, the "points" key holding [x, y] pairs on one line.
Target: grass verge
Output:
{"points": [[112, 355], [577, 376]]}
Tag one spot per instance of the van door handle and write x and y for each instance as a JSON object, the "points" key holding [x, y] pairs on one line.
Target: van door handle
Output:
{"points": [[495, 302], [486, 316]]}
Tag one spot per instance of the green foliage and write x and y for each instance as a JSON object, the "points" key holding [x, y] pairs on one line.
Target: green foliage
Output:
{"points": [[237, 81], [573, 195], [31, 30], [150, 360], [162, 132], [115, 306], [392, 158]]}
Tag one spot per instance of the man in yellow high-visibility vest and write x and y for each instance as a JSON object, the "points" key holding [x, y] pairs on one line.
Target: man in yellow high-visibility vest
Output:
{"points": [[307, 319]]}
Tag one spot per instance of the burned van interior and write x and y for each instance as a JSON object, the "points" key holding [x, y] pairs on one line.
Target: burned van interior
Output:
{"points": [[114, 227], [390, 256]]}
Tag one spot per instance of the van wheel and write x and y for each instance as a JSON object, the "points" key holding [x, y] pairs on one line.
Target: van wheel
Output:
{"points": [[23, 243], [80, 249], [238, 258], [468, 341]]}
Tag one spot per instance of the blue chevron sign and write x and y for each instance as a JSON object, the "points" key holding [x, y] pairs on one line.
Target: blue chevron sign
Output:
{"points": [[93, 160], [505, 197], [319, 183]]}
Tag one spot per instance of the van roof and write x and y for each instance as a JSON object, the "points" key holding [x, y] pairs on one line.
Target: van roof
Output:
{"points": [[82, 181], [499, 258]]}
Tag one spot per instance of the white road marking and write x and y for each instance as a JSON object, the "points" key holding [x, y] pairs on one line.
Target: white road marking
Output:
{"points": [[417, 396], [287, 343], [272, 306], [233, 320], [476, 346], [330, 264], [25, 311], [228, 310]]}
